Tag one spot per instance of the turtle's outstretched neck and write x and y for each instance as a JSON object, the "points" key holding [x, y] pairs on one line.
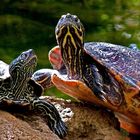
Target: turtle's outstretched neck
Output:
{"points": [[71, 44], [19, 78], [80, 65], [73, 61]]}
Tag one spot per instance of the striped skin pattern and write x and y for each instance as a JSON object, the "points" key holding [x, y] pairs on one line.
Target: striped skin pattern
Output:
{"points": [[19, 90], [80, 65]]}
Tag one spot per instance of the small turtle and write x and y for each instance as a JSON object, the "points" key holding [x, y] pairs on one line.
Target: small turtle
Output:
{"points": [[101, 73], [18, 90]]}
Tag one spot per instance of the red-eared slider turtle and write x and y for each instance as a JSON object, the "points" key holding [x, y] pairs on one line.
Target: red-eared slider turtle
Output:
{"points": [[97, 72], [17, 88]]}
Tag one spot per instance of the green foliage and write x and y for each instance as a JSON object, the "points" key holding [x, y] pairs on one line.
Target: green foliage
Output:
{"points": [[28, 24]]}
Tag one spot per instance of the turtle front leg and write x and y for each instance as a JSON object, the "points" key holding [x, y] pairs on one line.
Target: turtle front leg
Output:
{"points": [[49, 112]]}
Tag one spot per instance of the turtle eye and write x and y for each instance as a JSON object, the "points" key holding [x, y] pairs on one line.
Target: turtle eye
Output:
{"points": [[76, 18], [23, 56]]}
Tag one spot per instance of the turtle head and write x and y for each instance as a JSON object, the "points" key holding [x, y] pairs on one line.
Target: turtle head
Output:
{"points": [[70, 38], [69, 28], [23, 66]]}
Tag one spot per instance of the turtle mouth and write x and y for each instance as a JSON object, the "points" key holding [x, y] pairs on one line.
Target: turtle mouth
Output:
{"points": [[70, 38]]}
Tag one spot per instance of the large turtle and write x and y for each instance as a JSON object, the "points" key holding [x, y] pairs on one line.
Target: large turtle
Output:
{"points": [[101, 73], [18, 90]]}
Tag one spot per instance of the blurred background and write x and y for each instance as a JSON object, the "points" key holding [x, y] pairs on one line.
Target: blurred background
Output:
{"points": [[28, 24]]}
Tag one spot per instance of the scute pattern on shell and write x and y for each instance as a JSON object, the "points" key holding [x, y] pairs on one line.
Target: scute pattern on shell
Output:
{"points": [[119, 58]]}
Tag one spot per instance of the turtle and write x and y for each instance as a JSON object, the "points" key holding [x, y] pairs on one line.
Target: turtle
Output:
{"points": [[100, 73], [18, 90]]}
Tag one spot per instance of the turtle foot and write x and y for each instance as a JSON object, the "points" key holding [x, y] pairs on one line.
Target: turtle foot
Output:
{"points": [[50, 114], [59, 128]]}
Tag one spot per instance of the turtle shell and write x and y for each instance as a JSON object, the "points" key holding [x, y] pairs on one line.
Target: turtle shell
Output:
{"points": [[125, 61], [123, 64]]}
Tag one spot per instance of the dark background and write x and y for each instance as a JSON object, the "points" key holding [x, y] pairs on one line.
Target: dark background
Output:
{"points": [[28, 24]]}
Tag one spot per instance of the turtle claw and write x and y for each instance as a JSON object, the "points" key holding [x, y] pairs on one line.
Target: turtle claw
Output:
{"points": [[59, 129]]}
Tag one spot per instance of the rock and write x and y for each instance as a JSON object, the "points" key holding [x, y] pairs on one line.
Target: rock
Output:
{"points": [[88, 122], [85, 122], [13, 128]]}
